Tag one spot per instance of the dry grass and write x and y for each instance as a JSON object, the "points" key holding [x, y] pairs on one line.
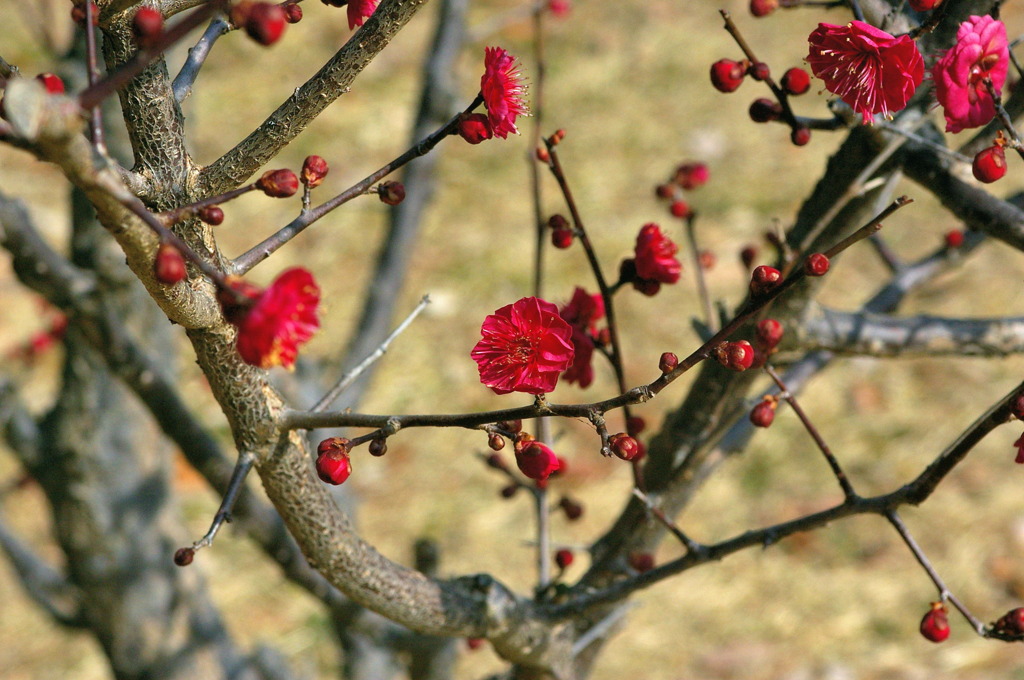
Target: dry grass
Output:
{"points": [[628, 81]]}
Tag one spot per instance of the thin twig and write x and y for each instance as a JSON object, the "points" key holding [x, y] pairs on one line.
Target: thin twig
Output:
{"points": [[922, 559], [710, 318], [97, 92], [666, 521], [249, 259], [186, 78], [349, 377], [242, 468], [830, 458], [93, 73]]}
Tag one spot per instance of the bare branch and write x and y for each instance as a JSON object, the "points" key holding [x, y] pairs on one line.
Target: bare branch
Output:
{"points": [[882, 335], [186, 77], [309, 99]]}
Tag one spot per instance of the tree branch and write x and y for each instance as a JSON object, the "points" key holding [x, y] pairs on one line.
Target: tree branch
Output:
{"points": [[309, 99], [882, 335]]}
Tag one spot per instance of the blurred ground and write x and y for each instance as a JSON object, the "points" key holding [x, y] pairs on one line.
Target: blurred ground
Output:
{"points": [[628, 81]]}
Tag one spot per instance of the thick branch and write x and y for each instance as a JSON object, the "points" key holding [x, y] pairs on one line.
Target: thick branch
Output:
{"points": [[883, 335]]}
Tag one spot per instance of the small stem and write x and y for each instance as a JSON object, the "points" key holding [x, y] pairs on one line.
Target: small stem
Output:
{"points": [[922, 559], [93, 72], [869, 228], [178, 214], [249, 259], [186, 78], [1004, 117], [242, 468], [540, 504], [702, 287], [691, 545], [615, 355], [97, 92], [780, 94], [830, 458], [350, 377]]}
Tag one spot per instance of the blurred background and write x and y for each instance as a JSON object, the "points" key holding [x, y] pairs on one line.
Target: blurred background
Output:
{"points": [[628, 82]]}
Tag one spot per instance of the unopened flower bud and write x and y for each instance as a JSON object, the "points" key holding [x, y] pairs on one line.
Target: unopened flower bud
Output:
{"points": [[923, 5], [800, 135], [573, 510], [52, 83], [542, 154], [265, 22], [496, 462], [563, 558], [768, 334], [665, 190], [642, 562], [378, 447], [796, 81], [623, 446], [333, 464], [147, 25], [990, 164], [635, 425], [816, 264], [759, 71], [738, 356], [211, 214], [954, 238], [760, 8], [1011, 623], [748, 255], [727, 75], [278, 183], [169, 267], [935, 624], [509, 490], [495, 442], [475, 128], [391, 193], [763, 279], [184, 556], [680, 209], [292, 13], [692, 175], [314, 168], [512, 426], [764, 110], [763, 414], [668, 362], [561, 238]]}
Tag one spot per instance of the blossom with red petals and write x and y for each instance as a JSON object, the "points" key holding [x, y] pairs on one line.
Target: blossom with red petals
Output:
{"points": [[524, 348], [359, 11], [581, 312], [503, 91], [981, 51], [272, 323], [655, 256], [869, 69]]}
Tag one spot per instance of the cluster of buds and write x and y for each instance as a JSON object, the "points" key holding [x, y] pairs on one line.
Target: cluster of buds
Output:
{"points": [[687, 177]]}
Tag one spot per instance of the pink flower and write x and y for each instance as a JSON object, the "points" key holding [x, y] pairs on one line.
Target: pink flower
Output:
{"points": [[655, 256], [272, 323], [502, 89], [524, 348], [560, 8], [869, 69], [359, 10], [581, 312], [980, 52], [583, 309]]}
